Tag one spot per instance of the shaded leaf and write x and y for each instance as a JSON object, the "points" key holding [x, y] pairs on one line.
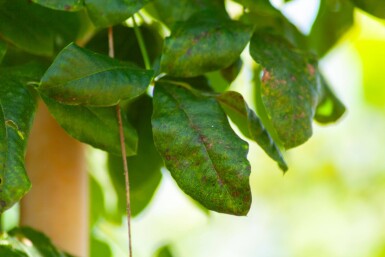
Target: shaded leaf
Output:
{"points": [[63, 5], [96, 126], [249, 124], [290, 86], [330, 108], [231, 72], [203, 43], [107, 13], [203, 154], [81, 77], [333, 20], [36, 29], [374, 7], [17, 108], [144, 167], [3, 50]]}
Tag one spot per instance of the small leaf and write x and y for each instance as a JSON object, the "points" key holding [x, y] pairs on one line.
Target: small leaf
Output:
{"points": [[374, 7], [164, 251], [249, 124], [231, 72], [17, 108], [81, 77], [96, 126], [330, 108], [62, 5], [203, 43], [202, 152], [290, 86], [144, 167], [107, 13]]}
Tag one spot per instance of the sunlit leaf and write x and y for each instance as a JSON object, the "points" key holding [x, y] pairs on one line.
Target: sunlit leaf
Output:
{"points": [[96, 126], [290, 86], [374, 7], [203, 154], [107, 13], [63, 5], [81, 77], [164, 251], [17, 108], [203, 43], [250, 125]]}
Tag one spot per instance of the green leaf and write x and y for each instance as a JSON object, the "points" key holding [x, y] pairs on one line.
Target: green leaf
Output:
{"points": [[144, 168], [204, 155], [36, 29], [81, 77], [164, 252], [231, 72], [249, 124], [3, 50], [374, 7], [333, 20], [290, 86], [203, 43], [6, 250], [96, 126], [107, 13], [330, 108], [17, 108], [63, 5], [99, 248]]}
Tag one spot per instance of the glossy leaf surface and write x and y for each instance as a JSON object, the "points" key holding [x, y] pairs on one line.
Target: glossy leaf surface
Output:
{"points": [[203, 154], [144, 167], [374, 7], [249, 124], [63, 5], [107, 13], [81, 77], [203, 43], [96, 126], [17, 108], [36, 29], [290, 86]]}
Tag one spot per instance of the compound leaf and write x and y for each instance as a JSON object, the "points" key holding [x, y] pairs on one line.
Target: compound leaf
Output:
{"points": [[290, 86], [249, 124], [81, 77], [204, 155]]}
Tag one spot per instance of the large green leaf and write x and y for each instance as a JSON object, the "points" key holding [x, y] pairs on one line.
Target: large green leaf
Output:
{"points": [[17, 108], [290, 86], [333, 20], [107, 13], [36, 29], [96, 126], [202, 152], [144, 167], [81, 77], [26, 242], [330, 108], [206, 42], [374, 7], [249, 124], [63, 5]]}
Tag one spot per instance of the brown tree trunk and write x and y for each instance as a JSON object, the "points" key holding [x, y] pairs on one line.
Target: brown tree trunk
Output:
{"points": [[58, 201]]}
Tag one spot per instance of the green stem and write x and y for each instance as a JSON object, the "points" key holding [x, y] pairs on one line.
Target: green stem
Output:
{"points": [[142, 45], [1, 224]]}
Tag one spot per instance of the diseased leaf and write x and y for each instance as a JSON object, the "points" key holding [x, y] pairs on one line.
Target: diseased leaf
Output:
{"points": [[203, 154], [17, 108], [36, 29], [333, 20], [107, 13], [63, 5], [330, 108], [144, 167], [374, 7], [203, 43], [81, 77], [290, 86], [249, 124], [96, 126]]}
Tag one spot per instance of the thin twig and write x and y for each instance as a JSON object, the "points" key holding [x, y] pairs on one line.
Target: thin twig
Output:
{"points": [[123, 148]]}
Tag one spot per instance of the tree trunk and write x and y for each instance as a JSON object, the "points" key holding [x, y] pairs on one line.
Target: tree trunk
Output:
{"points": [[58, 201]]}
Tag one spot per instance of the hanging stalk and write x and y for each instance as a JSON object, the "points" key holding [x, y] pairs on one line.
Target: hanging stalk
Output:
{"points": [[123, 148], [142, 45]]}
